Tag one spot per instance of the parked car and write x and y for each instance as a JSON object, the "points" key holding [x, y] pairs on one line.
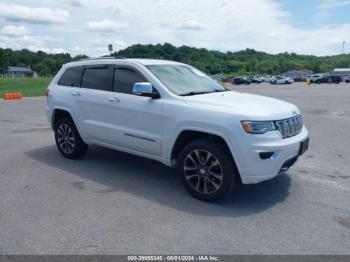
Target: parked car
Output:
{"points": [[299, 79], [336, 79], [175, 114], [268, 79], [318, 79], [346, 79], [255, 80], [281, 80], [241, 81]]}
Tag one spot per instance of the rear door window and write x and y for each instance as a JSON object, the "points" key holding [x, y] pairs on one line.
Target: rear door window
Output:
{"points": [[124, 80], [97, 77], [72, 77]]}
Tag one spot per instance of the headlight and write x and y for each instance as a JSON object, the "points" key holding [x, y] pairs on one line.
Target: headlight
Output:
{"points": [[258, 127]]}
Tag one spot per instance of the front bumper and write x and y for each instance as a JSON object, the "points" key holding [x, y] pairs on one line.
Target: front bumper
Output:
{"points": [[285, 152]]}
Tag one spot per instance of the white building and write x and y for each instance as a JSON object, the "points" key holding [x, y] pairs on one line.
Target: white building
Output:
{"points": [[14, 71], [341, 72]]}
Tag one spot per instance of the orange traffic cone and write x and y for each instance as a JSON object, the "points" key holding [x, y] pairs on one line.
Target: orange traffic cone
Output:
{"points": [[11, 96]]}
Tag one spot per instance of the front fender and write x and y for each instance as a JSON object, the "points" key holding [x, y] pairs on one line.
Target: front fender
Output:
{"points": [[225, 134]]}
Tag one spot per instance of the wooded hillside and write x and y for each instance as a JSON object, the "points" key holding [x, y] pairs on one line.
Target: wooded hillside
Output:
{"points": [[213, 62]]}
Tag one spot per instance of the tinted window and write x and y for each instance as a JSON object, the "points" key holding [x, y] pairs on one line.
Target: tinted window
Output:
{"points": [[124, 80], [71, 77], [97, 78]]}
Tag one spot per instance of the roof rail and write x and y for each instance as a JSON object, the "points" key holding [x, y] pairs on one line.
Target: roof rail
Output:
{"points": [[103, 57]]}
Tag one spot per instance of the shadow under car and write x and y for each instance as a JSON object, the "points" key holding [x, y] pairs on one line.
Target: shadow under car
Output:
{"points": [[156, 182]]}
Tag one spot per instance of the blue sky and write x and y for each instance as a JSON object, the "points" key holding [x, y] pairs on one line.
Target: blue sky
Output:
{"points": [[87, 26], [308, 14]]}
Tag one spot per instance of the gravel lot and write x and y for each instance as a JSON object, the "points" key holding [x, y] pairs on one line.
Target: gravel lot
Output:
{"points": [[113, 203]]}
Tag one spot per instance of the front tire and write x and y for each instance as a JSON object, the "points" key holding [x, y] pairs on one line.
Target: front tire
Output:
{"points": [[68, 140], [207, 170]]}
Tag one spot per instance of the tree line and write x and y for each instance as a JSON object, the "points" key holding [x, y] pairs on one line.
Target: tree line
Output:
{"points": [[247, 61], [43, 63]]}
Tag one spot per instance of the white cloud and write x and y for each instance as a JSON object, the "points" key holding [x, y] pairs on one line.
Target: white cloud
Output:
{"points": [[78, 49], [27, 14], [76, 3], [191, 25], [106, 25], [225, 25], [220, 25], [33, 43], [12, 30], [101, 45], [47, 50], [48, 38], [20, 42], [106, 41]]}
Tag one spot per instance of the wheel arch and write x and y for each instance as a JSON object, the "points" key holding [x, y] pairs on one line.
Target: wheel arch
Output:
{"points": [[59, 112], [188, 135]]}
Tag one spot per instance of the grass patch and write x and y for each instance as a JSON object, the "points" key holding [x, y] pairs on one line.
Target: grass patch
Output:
{"points": [[27, 86]]}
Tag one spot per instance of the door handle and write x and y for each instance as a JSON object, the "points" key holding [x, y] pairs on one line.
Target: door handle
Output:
{"points": [[75, 94], [113, 99]]}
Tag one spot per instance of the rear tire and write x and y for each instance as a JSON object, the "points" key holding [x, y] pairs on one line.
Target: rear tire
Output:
{"points": [[207, 170], [68, 140]]}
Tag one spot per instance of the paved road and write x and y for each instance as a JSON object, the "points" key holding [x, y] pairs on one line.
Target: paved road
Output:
{"points": [[113, 203]]}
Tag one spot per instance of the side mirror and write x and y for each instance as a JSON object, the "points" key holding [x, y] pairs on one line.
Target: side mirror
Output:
{"points": [[145, 89]]}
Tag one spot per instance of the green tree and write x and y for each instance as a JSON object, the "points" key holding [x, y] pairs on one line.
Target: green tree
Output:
{"points": [[4, 61], [247, 61]]}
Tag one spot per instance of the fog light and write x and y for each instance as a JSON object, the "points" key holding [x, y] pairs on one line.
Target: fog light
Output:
{"points": [[266, 155]]}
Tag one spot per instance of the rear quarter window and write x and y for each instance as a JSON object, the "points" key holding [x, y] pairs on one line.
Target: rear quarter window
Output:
{"points": [[72, 77]]}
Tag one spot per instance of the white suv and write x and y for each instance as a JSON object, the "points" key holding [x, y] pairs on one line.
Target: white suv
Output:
{"points": [[175, 114]]}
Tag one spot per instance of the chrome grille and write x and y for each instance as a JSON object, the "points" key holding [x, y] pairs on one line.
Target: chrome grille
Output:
{"points": [[290, 127]]}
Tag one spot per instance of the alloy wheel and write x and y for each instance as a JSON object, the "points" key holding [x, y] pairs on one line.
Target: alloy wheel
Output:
{"points": [[203, 171], [65, 139]]}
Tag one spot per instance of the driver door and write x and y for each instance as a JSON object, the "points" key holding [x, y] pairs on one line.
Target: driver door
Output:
{"points": [[135, 121]]}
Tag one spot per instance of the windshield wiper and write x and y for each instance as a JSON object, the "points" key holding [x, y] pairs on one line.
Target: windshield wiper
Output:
{"points": [[224, 90], [195, 93]]}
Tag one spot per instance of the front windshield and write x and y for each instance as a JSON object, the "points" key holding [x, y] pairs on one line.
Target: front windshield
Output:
{"points": [[184, 80]]}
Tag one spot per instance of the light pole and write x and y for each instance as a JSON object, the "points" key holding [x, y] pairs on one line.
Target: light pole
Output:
{"points": [[110, 49], [343, 48]]}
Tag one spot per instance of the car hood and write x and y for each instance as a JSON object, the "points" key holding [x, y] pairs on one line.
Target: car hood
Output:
{"points": [[252, 107]]}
